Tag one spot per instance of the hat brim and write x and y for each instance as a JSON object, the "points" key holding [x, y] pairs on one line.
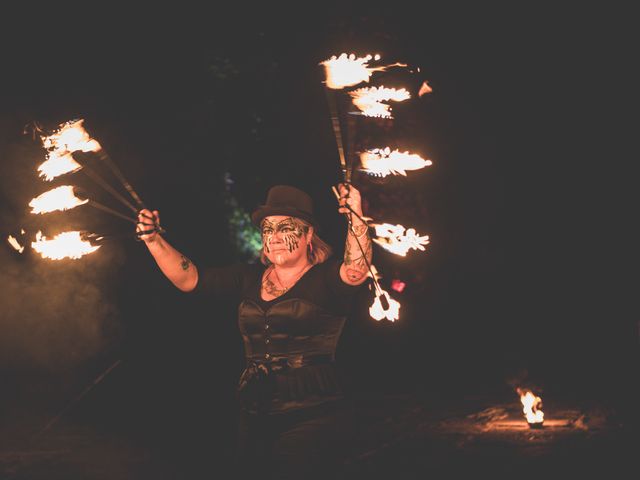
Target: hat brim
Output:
{"points": [[265, 211]]}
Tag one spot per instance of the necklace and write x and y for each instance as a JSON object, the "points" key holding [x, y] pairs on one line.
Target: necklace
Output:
{"points": [[285, 289]]}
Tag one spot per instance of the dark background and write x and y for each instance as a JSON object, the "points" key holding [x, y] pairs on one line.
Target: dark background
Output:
{"points": [[522, 284]]}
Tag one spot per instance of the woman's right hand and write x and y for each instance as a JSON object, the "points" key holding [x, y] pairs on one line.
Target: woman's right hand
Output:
{"points": [[148, 221]]}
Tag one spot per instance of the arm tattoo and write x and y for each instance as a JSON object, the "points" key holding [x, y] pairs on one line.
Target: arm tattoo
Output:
{"points": [[185, 263], [354, 260], [359, 230]]}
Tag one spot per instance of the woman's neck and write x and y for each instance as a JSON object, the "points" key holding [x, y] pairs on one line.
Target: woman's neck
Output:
{"points": [[290, 271]]}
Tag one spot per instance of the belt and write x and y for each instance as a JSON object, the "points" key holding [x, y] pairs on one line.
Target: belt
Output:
{"points": [[257, 383]]}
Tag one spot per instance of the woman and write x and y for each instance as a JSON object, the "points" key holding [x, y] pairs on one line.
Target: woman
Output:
{"points": [[294, 418]]}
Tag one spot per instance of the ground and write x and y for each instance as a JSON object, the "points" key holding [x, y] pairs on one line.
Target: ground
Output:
{"points": [[402, 435]]}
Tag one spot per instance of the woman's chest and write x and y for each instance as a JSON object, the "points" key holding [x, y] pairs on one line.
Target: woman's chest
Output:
{"points": [[287, 316]]}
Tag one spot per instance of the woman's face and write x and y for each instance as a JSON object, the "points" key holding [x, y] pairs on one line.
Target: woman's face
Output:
{"points": [[285, 239]]}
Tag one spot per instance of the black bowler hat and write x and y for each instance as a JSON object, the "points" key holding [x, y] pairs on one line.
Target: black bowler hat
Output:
{"points": [[286, 200]]}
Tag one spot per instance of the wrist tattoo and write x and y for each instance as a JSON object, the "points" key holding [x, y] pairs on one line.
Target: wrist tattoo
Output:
{"points": [[185, 263], [353, 255]]}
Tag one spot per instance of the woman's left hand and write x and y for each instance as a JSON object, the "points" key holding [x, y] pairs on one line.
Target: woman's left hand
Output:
{"points": [[349, 195]]}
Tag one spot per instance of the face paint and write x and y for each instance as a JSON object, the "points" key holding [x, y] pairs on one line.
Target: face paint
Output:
{"points": [[268, 229], [291, 231]]}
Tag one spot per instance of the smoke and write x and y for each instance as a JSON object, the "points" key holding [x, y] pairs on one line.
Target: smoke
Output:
{"points": [[54, 315]]}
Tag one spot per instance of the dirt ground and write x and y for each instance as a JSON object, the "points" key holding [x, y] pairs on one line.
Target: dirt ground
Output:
{"points": [[401, 436]]}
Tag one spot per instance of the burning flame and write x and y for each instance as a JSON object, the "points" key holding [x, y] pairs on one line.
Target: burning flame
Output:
{"points": [[377, 311], [369, 100], [14, 243], [347, 70], [59, 198], [57, 164], [383, 162], [531, 406], [70, 137], [63, 245], [396, 239]]}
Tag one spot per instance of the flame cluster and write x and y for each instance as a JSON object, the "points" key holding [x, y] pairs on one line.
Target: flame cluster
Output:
{"points": [[70, 137], [348, 70]]}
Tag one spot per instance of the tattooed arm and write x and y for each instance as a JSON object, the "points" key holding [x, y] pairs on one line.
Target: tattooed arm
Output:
{"points": [[175, 266], [354, 269]]}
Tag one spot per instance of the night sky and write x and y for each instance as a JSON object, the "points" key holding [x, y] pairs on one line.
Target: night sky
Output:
{"points": [[522, 281]]}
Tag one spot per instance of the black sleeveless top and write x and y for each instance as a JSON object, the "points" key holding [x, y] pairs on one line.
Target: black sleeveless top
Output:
{"points": [[290, 341]]}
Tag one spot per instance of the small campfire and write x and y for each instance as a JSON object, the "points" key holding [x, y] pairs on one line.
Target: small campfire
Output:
{"points": [[505, 421], [531, 407]]}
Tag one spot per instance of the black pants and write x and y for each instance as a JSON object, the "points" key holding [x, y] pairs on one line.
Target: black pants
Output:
{"points": [[308, 443]]}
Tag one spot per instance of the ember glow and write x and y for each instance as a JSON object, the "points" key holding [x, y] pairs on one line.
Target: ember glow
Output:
{"points": [[14, 243], [70, 137], [377, 311], [348, 70], [396, 239], [383, 162], [59, 198], [63, 245], [369, 100], [531, 405], [424, 89], [398, 285]]}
